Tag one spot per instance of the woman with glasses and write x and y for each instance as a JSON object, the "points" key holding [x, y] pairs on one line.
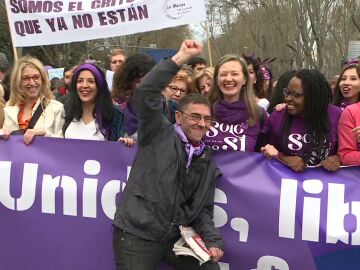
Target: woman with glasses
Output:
{"points": [[181, 85], [347, 89], [90, 112], [31, 110], [305, 133], [238, 120]]}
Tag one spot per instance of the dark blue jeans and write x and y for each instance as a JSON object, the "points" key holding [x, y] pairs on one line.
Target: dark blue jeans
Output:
{"points": [[134, 253]]}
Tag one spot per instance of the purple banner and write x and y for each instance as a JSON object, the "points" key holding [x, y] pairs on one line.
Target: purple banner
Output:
{"points": [[57, 198]]}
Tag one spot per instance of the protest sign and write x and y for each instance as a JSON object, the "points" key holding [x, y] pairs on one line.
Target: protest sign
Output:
{"points": [[56, 73], [57, 199], [42, 22]]}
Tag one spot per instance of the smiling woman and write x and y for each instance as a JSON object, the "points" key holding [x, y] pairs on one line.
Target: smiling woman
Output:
{"points": [[90, 113], [31, 110], [305, 133], [238, 119]]}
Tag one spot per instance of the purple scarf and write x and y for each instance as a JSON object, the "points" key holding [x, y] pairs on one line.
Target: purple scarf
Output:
{"points": [[189, 148], [231, 113]]}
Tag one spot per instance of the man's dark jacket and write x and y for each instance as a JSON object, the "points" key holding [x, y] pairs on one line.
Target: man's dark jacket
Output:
{"points": [[161, 193]]}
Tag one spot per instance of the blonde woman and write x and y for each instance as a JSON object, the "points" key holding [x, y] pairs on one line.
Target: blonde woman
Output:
{"points": [[204, 81], [31, 109], [238, 120]]}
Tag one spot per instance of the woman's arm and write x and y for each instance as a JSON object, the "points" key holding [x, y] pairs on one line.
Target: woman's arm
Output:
{"points": [[348, 145]]}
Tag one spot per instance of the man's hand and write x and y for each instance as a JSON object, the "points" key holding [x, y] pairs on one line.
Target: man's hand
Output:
{"points": [[189, 49], [216, 253]]}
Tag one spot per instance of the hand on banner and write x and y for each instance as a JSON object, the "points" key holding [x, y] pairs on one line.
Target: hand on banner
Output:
{"points": [[189, 49], [127, 141], [331, 163], [269, 151], [356, 132], [31, 133], [4, 133], [216, 254], [296, 163]]}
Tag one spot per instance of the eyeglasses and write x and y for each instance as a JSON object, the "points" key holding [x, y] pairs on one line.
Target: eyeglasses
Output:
{"points": [[174, 89], [196, 117], [27, 79], [293, 94]]}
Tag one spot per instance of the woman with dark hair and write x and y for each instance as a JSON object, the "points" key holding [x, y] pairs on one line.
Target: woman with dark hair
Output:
{"points": [[277, 96], [90, 113], [126, 80], [347, 90], [305, 133], [260, 75], [238, 120], [349, 129]]}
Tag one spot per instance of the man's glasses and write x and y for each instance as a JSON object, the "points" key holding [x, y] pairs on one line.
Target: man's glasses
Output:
{"points": [[27, 79], [196, 117], [174, 89], [287, 93]]}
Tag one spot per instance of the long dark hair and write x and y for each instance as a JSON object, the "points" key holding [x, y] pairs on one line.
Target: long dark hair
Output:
{"points": [[104, 108], [317, 96], [338, 98]]}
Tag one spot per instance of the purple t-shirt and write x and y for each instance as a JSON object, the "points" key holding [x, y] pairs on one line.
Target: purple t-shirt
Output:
{"points": [[298, 141], [235, 136]]}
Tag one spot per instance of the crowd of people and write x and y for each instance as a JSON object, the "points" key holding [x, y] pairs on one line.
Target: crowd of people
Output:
{"points": [[239, 105], [295, 117]]}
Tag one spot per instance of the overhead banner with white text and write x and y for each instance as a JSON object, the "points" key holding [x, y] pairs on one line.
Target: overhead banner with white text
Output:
{"points": [[57, 199], [43, 22]]}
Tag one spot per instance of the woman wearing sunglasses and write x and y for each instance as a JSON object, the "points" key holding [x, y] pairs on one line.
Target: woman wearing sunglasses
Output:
{"points": [[305, 133], [31, 110]]}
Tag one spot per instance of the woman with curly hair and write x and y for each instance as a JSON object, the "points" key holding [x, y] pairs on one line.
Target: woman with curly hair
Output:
{"points": [[305, 133], [31, 110], [126, 80]]}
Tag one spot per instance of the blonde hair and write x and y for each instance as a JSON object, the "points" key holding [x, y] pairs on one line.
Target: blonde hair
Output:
{"points": [[17, 94], [246, 93], [187, 79], [208, 72]]}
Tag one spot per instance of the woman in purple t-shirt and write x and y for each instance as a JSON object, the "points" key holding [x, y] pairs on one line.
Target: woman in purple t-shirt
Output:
{"points": [[305, 133], [238, 120]]}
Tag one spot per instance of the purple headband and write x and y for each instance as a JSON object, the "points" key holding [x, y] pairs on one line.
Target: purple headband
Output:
{"points": [[99, 77], [351, 62]]}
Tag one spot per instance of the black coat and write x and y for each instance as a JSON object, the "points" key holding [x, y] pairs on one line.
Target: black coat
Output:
{"points": [[161, 193]]}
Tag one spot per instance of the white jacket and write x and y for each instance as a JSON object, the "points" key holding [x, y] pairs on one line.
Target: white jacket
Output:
{"points": [[51, 119]]}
